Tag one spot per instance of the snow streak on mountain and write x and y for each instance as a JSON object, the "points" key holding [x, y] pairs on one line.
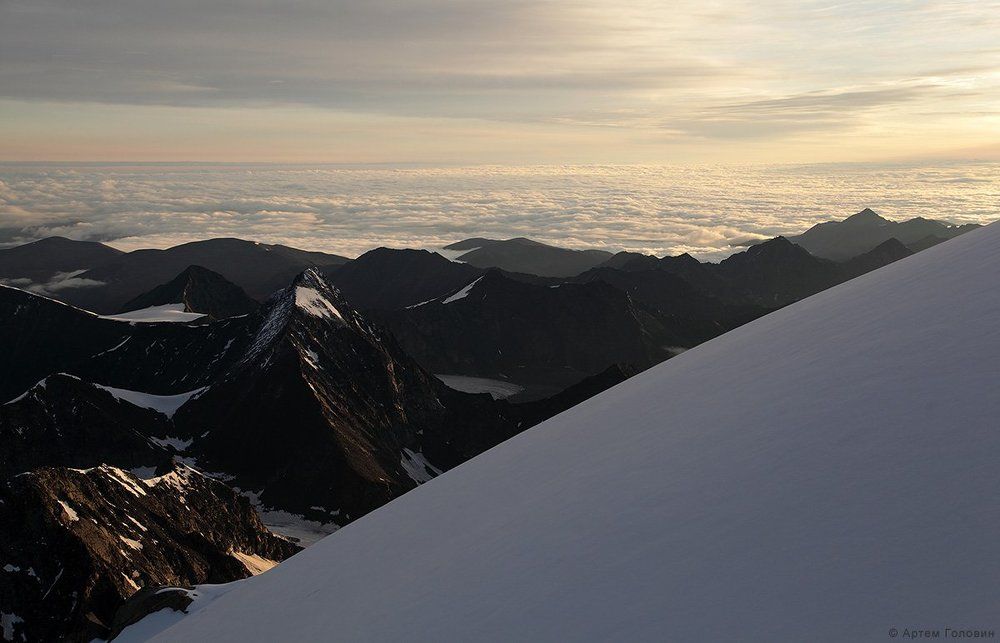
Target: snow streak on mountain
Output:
{"points": [[826, 472]]}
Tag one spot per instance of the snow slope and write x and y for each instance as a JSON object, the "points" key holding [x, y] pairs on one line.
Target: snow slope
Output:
{"points": [[827, 472]]}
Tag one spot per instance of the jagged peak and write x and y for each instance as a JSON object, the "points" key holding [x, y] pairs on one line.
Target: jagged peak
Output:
{"points": [[311, 298]]}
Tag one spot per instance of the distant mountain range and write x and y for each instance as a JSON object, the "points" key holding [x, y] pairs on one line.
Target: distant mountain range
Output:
{"points": [[106, 279], [139, 453], [865, 230]]}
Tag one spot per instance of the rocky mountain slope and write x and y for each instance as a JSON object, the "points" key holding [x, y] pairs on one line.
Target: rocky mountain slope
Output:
{"points": [[827, 472], [64, 421], [77, 543], [388, 279], [41, 336], [326, 414], [542, 337]]}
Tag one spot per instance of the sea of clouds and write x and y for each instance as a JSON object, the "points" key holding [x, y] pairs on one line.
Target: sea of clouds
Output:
{"points": [[707, 211]]}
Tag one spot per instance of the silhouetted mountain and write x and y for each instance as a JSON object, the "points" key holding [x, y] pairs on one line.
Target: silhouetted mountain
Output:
{"points": [[630, 261], [863, 231], [673, 296], [882, 255], [259, 269], [927, 242], [527, 256], [77, 543], [40, 261], [777, 272], [388, 279], [200, 291], [541, 337]]}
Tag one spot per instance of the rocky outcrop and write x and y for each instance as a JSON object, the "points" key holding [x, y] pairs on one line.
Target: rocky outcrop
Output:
{"points": [[75, 544], [63, 421]]}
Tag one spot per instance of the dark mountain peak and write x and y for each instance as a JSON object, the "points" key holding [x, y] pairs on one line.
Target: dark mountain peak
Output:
{"points": [[893, 246], [883, 254], [522, 255], [310, 300], [776, 248], [312, 279], [682, 260], [389, 279], [201, 291], [63, 243], [388, 258], [866, 216]]}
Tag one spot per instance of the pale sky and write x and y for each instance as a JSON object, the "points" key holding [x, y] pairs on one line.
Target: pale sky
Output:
{"points": [[506, 81]]}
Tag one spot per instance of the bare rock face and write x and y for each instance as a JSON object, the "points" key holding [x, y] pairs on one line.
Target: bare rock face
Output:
{"points": [[64, 421], [326, 411], [75, 544]]}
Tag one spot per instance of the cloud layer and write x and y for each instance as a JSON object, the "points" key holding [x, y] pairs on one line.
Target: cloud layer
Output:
{"points": [[662, 210]]}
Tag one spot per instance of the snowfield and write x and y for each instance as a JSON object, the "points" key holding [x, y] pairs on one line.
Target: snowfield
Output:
{"points": [[499, 389], [164, 313], [825, 473]]}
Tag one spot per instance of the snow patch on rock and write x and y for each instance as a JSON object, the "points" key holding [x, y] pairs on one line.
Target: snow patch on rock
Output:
{"points": [[311, 301], [461, 294]]}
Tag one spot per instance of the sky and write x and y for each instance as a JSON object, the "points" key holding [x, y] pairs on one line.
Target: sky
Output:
{"points": [[510, 82]]}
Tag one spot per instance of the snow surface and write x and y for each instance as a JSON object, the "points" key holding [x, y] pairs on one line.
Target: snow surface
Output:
{"points": [[826, 472], [165, 404], [162, 619], [311, 301], [461, 294], [295, 527], [499, 389], [164, 313]]}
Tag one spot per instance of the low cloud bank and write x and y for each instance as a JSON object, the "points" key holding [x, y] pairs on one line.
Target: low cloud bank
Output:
{"points": [[709, 212]]}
